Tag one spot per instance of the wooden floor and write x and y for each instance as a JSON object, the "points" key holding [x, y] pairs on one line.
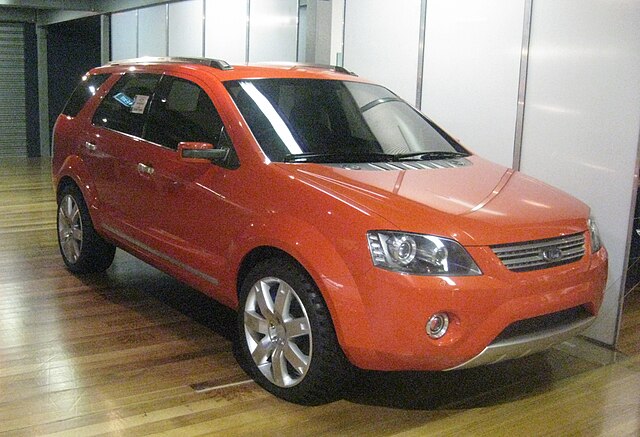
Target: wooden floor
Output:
{"points": [[134, 352]]}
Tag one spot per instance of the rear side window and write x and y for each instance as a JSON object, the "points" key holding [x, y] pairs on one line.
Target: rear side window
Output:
{"points": [[182, 111], [125, 107], [86, 89]]}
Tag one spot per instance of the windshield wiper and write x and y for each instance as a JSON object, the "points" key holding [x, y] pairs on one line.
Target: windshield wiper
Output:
{"points": [[349, 157], [427, 156], [344, 157]]}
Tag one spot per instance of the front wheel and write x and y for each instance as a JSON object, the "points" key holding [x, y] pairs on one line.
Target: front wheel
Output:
{"points": [[287, 342]]}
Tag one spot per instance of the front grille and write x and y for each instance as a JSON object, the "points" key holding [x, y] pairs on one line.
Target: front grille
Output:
{"points": [[541, 254]]}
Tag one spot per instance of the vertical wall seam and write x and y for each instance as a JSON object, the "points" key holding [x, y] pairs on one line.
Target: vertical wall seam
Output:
{"points": [[166, 29], [43, 89], [105, 38], [137, 33], [246, 52], [204, 26], [298, 34], [421, 52], [522, 84], [344, 30]]}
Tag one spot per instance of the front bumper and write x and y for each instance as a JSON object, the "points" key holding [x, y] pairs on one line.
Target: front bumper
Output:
{"points": [[380, 319]]}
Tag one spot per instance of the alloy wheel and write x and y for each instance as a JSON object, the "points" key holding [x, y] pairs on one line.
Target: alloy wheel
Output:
{"points": [[70, 228], [278, 332]]}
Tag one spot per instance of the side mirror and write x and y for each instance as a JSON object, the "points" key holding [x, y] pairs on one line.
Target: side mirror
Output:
{"points": [[201, 152]]}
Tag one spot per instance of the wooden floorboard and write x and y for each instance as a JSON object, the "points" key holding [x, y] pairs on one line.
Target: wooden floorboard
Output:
{"points": [[135, 352]]}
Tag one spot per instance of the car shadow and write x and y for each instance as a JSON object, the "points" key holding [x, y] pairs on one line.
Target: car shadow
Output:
{"points": [[131, 282], [464, 389]]}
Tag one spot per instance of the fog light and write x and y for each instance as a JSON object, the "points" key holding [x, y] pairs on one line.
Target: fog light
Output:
{"points": [[437, 325]]}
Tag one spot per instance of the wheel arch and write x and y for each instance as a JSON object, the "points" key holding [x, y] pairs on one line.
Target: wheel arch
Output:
{"points": [[263, 253], [74, 171]]}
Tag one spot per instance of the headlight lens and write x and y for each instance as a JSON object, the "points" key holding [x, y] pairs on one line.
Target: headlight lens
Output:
{"points": [[420, 254], [596, 242]]}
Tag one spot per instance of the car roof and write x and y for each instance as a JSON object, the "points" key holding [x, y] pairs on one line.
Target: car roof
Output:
{"points": [[224, 71]]}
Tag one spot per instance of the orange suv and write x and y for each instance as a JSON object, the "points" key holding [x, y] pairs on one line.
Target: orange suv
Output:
{"points": [[344, 226]]}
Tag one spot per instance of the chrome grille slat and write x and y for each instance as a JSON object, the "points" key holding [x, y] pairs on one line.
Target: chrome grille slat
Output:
{"points": [[573, 239], [527, 256]]}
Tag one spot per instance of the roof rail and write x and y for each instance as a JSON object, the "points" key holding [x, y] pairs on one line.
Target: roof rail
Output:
{"points": [[295, 65], [214, 63]]}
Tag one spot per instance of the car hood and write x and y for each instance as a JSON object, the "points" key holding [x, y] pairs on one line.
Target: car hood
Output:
{"points": [[472, 200]]}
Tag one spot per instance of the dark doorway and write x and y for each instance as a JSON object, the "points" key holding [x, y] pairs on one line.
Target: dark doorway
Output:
{"points": [[73, 48]]}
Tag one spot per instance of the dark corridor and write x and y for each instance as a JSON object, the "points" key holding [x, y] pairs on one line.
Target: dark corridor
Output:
{"points": [[73, 48]]}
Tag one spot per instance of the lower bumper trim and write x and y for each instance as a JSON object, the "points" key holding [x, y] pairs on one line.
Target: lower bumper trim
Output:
{"points": [[523, 345]]}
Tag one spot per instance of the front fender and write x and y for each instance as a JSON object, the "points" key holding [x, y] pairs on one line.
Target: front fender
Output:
{"points": [[322, 255]]}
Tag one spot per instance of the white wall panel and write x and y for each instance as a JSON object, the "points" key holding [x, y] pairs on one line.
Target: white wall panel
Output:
{"points": [[273, 34], [471, 72], [381, 41], [226, 30], [582, 117], [186, 28], [124, 31], [152, 37]]}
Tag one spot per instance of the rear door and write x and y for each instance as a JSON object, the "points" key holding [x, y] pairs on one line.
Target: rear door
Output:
{"points": [[115, 152]]}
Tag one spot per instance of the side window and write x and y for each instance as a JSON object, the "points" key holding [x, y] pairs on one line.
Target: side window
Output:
{"points": [[86, 89], [182, 111], [124, 108]]}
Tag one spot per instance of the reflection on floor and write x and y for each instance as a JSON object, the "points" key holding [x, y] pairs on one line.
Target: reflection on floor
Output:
{"points": [[135, 352]]}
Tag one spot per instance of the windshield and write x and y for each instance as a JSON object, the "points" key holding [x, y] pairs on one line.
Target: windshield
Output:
{"points": [[307, 120]]}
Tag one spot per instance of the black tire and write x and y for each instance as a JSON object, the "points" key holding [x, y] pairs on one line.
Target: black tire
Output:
{"points": [[82, 249], [327, 371]]}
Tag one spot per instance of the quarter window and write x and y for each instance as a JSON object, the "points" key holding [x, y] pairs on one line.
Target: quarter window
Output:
{"points": [[127, 103], [86, 89]]}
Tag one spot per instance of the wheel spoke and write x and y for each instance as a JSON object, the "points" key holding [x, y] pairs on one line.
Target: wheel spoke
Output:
{"points": [[63, 222], [297, 327], [77, 234], [68, 208], [74, 218], [67, 247], [296, 358], [265, 301], [264, 349], [75, 249], [279, 367], [256, 323], [283, 300]]}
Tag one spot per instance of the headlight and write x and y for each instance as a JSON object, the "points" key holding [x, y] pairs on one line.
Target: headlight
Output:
{"points": [[420, 254], [596, 242]]}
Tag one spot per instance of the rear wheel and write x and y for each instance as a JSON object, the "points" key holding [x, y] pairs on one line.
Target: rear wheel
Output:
{"points": [[82, 249], [287, 342]]}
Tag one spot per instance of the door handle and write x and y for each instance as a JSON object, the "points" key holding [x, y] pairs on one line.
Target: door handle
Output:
{"points": [[90, 146], [145, 169]]}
